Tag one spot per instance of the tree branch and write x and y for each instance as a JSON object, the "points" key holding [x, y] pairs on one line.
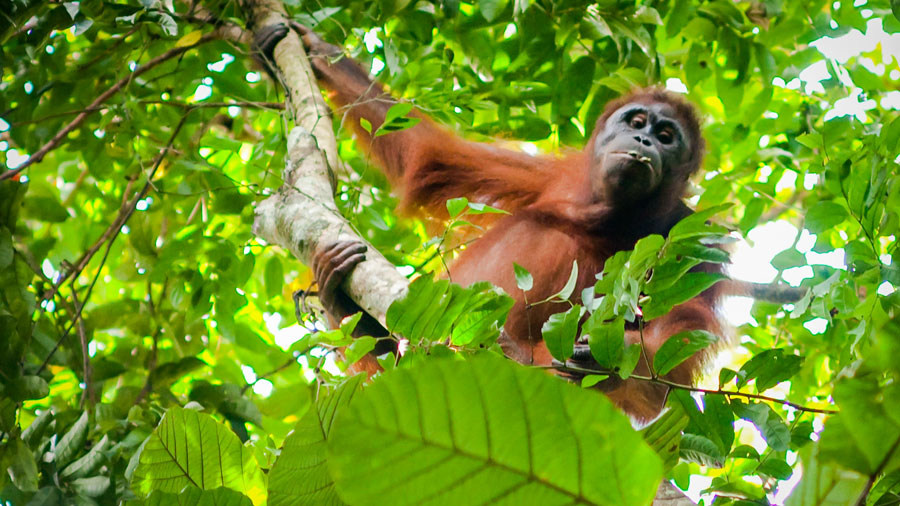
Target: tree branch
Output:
{"points": [[302, 214], [109, 236], [771, 292], [57, 139], [690, 388]]}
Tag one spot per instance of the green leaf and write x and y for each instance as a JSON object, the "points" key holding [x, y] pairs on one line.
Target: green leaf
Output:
{"points": [[863, 403], [95, 486], [46, 209], [560, 331], [523, 278], [630, 359], [491, 9], [397, 119], [193, 496], [190, 448], [168, 373], [274, 277], [696, 225], [349, 323], [366, 125], [592, 379], [486, 430], [810, 140], [745, 452], [770, 425], [679, 348], [701, 30], [222, 143], [189, 39], [778, 469], [639, 35], [6, 248], [89, 463], [22, 465], [647, 15], [885, 489], [72, 442], [32, 434], [769, 368], [359, 348], [26, 388], [569, 287], [824, 215], [699, 449], [689, 286], [787, 259], [456, 206], [825, 484], [715, 423], [479, 208], [726, 375], [433, 310], [645, 253], [300, 475], [664, 435], [481, 324], [606, 340]]}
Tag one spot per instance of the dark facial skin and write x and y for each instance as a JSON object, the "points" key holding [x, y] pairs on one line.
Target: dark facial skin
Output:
{"points": [[640, 148]]}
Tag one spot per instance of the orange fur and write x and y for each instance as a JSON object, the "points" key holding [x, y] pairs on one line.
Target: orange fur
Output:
{"points": [[555, 220]]}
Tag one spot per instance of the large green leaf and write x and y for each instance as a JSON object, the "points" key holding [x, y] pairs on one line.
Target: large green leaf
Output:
{"points": [[193, 496], [486, 431], [192, 449], [300, 475], [433, 310]]}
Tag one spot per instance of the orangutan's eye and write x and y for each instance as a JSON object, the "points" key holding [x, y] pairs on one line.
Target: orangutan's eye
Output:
{"points": [[666, 136], [638, 121]]}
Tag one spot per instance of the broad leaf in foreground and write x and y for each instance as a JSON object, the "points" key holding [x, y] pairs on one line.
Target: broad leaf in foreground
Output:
{"points": [[195, 497], [487, 431], [191, 449], [300, 475]]}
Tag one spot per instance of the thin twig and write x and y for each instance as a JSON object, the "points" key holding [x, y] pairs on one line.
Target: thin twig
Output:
{"points": [[689, 388], [103, 97], [87, 395], [151, 366], [113, 232], [174, 103], [876, 473], [118, 42], [292, 360]]}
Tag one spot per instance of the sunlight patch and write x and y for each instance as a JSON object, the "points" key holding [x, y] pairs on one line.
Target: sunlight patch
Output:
{"points": [[816, 325]]}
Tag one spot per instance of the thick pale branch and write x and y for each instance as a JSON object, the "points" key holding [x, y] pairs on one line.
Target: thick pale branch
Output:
{"points": [[302, 214]]}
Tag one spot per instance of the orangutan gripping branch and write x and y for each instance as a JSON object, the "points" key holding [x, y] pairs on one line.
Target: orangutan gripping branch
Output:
{"points": [[627, 183]]}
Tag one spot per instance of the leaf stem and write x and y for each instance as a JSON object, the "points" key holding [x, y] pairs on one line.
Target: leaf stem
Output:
{"points": [[689, 388]]}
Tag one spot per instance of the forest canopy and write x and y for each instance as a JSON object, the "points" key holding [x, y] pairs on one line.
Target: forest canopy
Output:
{"points": [[155, 349]]}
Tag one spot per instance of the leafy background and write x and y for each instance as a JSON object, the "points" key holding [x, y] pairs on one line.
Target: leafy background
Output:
{"points": [[131, 285]]}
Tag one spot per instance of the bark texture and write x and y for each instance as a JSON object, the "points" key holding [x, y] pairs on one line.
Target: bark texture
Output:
{"points": [[302, 214]]}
